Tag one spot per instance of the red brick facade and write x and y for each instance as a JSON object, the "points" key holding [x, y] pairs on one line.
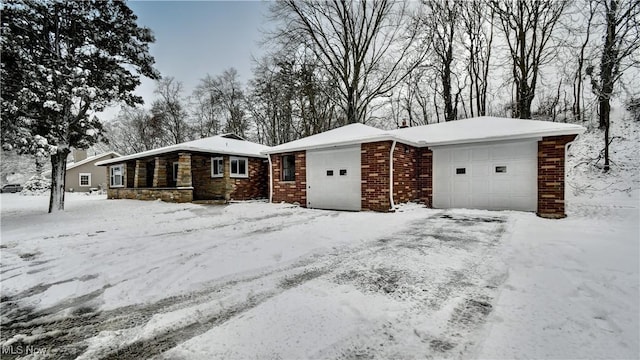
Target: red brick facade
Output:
{"points": [[290, 191], [375, 176], [424, 159], [551, 176], [405, 173], [253, 187]]}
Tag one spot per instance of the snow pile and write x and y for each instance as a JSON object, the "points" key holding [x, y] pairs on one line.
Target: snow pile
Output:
{"points": [[36, 185]]}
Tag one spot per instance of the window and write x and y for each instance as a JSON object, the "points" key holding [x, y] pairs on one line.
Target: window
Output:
{"points": [[501, 169], [85, 179], [343, 172], [238, 167], [175, 171], [329, 172], [289, 168], [116, 178], [217, 167], [461, 171]]}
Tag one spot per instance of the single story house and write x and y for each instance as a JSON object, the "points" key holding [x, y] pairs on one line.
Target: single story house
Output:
{"points": [[222, 167], [83, 175], [479, 163]]}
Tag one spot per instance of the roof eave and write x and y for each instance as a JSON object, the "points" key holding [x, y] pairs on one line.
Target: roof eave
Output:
{"points": [[540, 134], [167, 151], [343, 143]]}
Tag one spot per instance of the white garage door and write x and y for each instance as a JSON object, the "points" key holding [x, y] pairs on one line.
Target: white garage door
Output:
{"points": [[333, 179], [501, 176]]}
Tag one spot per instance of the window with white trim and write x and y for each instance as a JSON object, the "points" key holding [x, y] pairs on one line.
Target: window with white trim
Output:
{"points": [[175, 171], [217, 167], [116, 176], [85, 179], [239, 166]]}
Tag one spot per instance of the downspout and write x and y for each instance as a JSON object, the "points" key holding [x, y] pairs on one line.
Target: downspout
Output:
{"points": [[564, 176], [393, 147], [270, 179]]}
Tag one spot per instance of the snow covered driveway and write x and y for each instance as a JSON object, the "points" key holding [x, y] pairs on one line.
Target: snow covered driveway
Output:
{"points": [[131, 279]]}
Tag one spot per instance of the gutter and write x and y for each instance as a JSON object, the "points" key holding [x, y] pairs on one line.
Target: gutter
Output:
{"points": [[393, 147], [270, 179]]}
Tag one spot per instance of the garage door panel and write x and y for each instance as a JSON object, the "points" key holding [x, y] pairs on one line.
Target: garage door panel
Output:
{"points": [[334, 179], [460, 155], [513, 187]]}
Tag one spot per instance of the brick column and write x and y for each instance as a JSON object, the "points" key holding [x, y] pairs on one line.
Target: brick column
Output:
{"points": [[551, 160], [375, 176], [140, 177], [425, 176], [184, 170], [160, 173]]}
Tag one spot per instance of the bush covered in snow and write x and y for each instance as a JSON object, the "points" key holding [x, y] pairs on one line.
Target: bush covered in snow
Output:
{"points": [[36, 185]]}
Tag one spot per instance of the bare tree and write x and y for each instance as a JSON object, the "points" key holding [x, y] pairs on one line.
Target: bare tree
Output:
{"points": [[224, 103], [443, 21], [477, 21], [586, 12], [366, 46], [170, 111], [135, 130], [619, 52], [527, 27]]}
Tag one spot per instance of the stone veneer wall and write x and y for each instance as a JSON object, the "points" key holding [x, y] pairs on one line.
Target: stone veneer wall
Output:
{"points": [[405, 171], [375, 176], [164, 194], [290, 191], [424, 157], [551, 176]]}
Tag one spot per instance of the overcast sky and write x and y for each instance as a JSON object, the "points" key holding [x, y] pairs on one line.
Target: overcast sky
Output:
{"points": [[194, 38]]}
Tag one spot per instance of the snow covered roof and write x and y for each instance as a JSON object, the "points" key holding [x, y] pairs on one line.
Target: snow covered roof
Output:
{"points": [[345, 135], [90, 159], [219, 144], [485, 128], [472, 130]]}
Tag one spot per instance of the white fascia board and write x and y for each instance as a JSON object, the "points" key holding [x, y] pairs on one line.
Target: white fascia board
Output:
{"points": [[176, 149], [538, 135], [343, 144]]}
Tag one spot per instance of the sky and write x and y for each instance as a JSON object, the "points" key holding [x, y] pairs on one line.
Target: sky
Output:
{"points": [[195, 38]]}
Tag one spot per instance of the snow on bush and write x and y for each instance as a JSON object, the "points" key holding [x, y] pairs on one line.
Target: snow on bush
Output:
{"points": [[36, 185], [585, 175]]}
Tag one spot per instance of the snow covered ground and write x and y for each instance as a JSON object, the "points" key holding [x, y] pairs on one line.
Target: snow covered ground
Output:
{"points": [[122, 279]]}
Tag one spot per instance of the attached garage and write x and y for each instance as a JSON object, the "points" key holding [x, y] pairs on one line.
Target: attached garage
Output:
{"points": [[495, 176], [480, 163], [334, 178]]}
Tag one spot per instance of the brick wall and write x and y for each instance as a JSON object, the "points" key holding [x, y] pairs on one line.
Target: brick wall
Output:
{"points": [[290, 191], [404, 173], [204, 186], [130, 173], [424, 159], [253, 187], [551, 176], [375, 176]]}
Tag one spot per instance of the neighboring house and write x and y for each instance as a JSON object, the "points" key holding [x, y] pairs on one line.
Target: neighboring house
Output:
{"points": [[83, 175], [480, 163], [222, 167]]}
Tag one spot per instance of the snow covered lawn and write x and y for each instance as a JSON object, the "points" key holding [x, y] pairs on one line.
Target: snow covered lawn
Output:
{"points": [[120, 279]]}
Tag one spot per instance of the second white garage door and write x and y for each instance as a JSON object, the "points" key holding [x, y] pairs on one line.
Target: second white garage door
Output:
{"points": [[333, 179], [500, 176]]}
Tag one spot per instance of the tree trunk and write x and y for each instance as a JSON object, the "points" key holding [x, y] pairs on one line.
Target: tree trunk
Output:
{"points": [[58, 171], [605, 109]]}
